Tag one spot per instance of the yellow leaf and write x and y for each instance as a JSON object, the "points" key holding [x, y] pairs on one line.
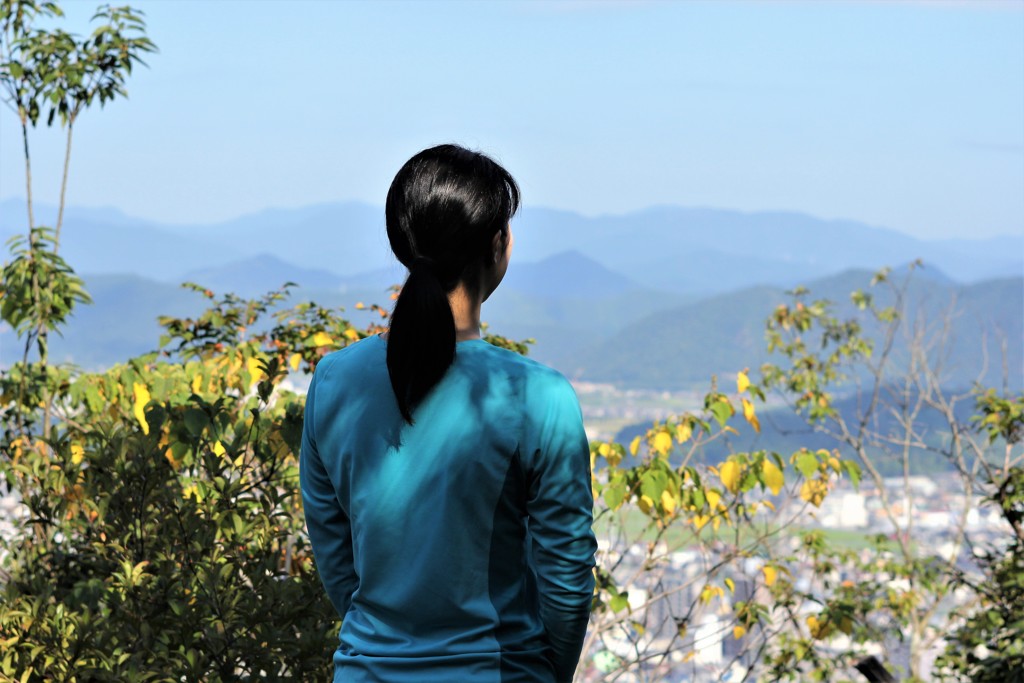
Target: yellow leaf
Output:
{"points": [[769, 504], [294, 360], [730, 585], [322, 339], [351, 334], [833, 462], [713, 498], [813, 491], [169, 454], [662, 442], [770, 573], [634, 445], [689, 655], [742, 381], [253, 366], [818, 629], [729, 473], [77, 453], [141, 394], [604, 450], [738, 632], [749, 414], [700, 520], [197, 383], [645, 504], [218, 448], [668, 501], [773, 478], [684, 432]]}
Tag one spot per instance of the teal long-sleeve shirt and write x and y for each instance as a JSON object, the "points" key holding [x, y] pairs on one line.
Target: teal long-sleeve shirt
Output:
{"points": [[458, 548]]}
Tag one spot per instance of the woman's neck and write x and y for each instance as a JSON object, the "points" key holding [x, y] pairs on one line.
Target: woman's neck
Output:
{"points": [[466, 312]]}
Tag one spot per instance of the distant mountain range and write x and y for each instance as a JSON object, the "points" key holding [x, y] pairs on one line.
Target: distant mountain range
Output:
{"points": [[657, 298], [683, 250], [967, 328]]}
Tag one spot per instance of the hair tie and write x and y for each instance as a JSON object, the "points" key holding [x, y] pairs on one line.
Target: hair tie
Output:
{"points": [[423, 263]]}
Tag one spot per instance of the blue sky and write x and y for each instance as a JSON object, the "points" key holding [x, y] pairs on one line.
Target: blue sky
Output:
{"points": [[908, 115]]}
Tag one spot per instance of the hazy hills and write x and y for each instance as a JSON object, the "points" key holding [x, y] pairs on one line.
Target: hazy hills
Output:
{"points": [[657, 298], [686, 250], [723, 334]]}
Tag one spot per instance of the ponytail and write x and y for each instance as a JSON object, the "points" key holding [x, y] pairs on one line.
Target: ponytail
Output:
{"points": [[421, 338], [443, 210]]}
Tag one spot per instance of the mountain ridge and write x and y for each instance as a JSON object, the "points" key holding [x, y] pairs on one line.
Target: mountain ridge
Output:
{"points": [[684, 249]]}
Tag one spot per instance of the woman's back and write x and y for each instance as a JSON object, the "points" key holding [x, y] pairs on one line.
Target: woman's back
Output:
{"points": [[458, 547]]}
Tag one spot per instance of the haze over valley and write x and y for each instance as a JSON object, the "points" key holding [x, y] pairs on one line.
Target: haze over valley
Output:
{"points": [[658, 300]]}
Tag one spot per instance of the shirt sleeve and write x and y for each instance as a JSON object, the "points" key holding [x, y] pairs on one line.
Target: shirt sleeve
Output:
{"points": [[560, 507], [330, 533]]}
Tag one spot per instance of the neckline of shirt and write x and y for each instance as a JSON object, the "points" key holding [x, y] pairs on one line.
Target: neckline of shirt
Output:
{"points": [[459, 341]]}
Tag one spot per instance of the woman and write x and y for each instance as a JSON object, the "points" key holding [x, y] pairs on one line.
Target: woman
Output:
{"points": [[446, 481]]}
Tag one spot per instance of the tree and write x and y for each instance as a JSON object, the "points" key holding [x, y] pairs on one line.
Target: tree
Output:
{"points": [[805, 605], [160, 532], [54, 72]]}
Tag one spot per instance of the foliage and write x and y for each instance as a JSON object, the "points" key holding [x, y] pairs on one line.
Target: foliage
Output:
{"points": [[38, 285], [163, 534], [53, 69], [160, 535], [988, 646], [710, 561]]}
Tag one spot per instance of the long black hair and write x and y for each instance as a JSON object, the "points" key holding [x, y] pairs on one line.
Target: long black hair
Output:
{"points": [[443, 210]]}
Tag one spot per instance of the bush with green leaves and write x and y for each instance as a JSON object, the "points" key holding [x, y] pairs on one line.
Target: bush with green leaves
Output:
{"points": [[163, 535]]}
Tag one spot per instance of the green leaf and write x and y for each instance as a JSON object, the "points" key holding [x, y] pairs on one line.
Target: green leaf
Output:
{"points": [[852, 470], [652, 483], [614, 494], [721, 411], [807, 463], [195, 421]]}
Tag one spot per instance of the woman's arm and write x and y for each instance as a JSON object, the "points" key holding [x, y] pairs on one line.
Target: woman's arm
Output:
{"points": [[329, 531], [560, 508]]}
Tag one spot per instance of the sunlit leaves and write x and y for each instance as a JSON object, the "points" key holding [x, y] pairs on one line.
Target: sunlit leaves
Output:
{"points": [[729, 473], [684, 430], [662, 443], [61, 73], [806, 463], [742, 382], [668, 501], [750, 415], [813, 491], [38, 290], [773, 477], [322, 339], [1000, 417], [140, 399]]}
